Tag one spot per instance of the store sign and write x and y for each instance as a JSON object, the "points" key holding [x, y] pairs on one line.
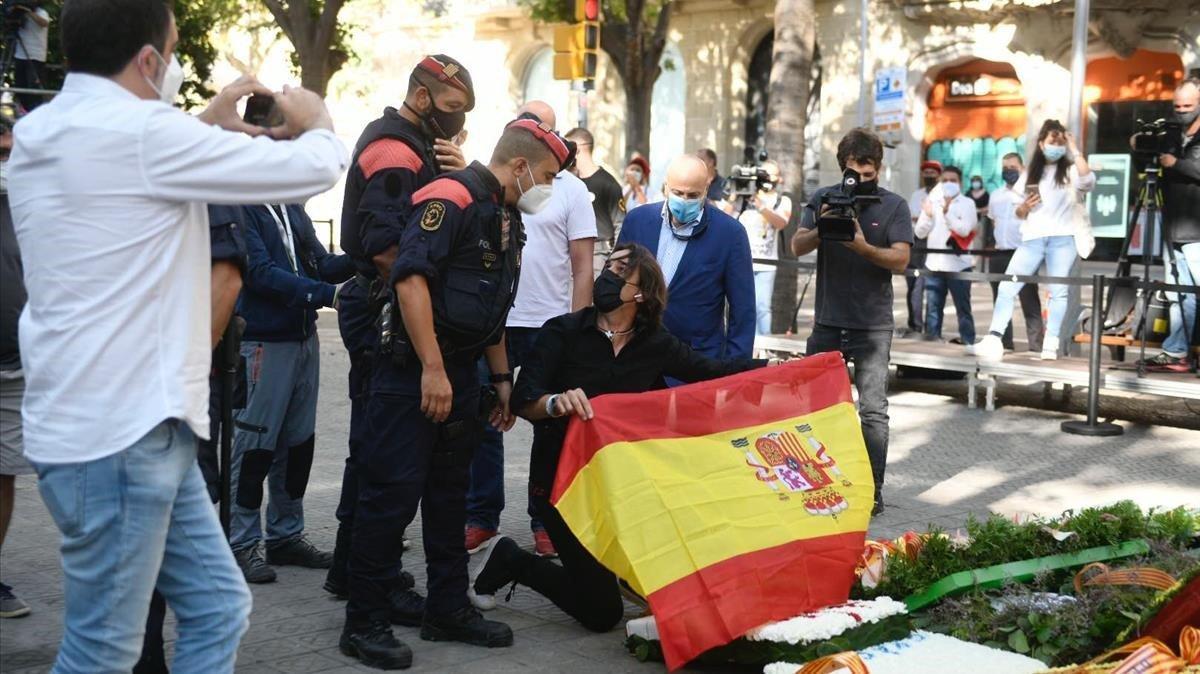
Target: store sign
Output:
{"points": [[889, 99], [1108, 202], [975, 88]]}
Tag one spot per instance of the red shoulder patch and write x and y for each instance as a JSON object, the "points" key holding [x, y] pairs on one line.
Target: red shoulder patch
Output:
{"points": [[388, 153], [447, 189]]}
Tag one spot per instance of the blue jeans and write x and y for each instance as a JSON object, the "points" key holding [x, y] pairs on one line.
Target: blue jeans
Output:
{"points": [[131, 521], [273, 441], [485, 497], [764, 287], [1183, 310], [1059, 254], [935, 306]]}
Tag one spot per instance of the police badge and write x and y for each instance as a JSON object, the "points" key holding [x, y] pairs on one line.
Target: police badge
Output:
{"points": [[431, 219]]}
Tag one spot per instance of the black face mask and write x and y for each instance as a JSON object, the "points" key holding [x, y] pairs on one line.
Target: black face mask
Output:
{"points": [[1010, 176], [929, 181], [606, 291], [866, 187], [440, 123]]}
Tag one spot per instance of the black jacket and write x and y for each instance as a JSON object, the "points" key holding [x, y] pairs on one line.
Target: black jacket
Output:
{"points": [[1181, 195]]}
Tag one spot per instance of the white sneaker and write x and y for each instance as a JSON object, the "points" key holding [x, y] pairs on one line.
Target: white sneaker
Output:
{"points": [[989, 349], [483, 602], [1050, 348]]}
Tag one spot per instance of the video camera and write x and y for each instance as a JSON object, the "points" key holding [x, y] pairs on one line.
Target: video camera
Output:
{"points": [[14, 13], [1158, 137], [839, 207], [746, 179]]}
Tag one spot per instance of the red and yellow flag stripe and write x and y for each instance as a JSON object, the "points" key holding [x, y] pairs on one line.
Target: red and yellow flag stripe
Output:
{"points": [[727, 504]]}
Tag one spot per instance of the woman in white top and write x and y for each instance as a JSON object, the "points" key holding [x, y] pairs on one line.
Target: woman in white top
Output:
{"points": [[637, 176], [1057, 176]]}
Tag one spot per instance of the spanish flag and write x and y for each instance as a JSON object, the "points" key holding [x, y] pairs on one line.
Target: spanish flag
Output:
{"points": [[727, 504]]}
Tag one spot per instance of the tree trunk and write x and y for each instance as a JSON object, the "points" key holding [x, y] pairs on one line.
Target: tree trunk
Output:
{"points": [[787, 108], [637, 117], [313, 72], [312, 36]]}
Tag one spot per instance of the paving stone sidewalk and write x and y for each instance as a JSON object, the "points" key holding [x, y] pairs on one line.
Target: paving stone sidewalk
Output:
{"points": [[946, 462]]}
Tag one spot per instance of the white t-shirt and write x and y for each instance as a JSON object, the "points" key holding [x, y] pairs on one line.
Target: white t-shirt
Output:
{"points": [[1055, 216], [33, 39], [108, 195], [545, 287], [960, 219], [764, 239], [1002, 209]]}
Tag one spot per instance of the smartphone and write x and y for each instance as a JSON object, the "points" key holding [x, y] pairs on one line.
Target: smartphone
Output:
{"points": [[261, 111], [1032, 190]]}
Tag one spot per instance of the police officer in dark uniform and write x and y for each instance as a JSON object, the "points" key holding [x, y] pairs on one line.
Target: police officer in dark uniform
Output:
{"points": [[397, 154], [455, 278]]}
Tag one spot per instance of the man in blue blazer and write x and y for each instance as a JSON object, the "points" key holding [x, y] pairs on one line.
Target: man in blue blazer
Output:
{"points": [[705, 258]]}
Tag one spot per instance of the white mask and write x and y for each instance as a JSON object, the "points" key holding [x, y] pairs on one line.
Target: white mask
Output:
{"points": [[534, 199], [950, 190], [168, 91]]}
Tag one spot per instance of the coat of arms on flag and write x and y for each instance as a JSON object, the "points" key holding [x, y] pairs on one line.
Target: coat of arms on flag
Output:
{"points": [[727, 504]]}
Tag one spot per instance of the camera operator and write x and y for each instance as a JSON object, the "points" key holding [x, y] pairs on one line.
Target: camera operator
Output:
{"points": [[29, 52], [108, 192], [854, 288], [763, 215], [1181, 226]]}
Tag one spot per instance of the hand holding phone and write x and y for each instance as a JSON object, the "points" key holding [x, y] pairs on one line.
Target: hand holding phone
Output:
{"points": [[262, 111]]}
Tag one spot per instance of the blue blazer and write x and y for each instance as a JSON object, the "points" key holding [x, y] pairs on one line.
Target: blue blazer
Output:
{"points": [[280, 305], [715, 269]]}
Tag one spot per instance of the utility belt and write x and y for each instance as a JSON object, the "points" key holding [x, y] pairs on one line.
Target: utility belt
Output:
{"points": [[395, 345]]}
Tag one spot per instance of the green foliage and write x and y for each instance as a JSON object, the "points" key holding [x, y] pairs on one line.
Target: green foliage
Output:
{"points": [[196, 20], [998, 540], [554, 11]]}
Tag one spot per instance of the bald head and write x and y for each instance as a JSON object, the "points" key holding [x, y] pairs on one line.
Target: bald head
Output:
{"points": [[541, 110], [1187, 105], [687, 177]]}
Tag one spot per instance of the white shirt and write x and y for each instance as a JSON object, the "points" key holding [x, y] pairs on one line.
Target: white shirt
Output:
{"points": [[108, 196], [764, 238], [961, 219], [33, 39], [671, 247], [1055, 215], [546, 276], [917, 201], [1002, 209]]}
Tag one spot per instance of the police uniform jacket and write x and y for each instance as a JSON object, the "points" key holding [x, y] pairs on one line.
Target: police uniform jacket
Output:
{"points": [[456, 239], [392, 160], [280, 304]]}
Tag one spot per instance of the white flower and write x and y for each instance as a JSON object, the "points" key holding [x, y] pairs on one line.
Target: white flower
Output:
{"points": [[828, 622]]}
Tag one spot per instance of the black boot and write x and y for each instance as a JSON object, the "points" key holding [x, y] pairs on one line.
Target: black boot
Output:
{"points": [[375, 646], [502, 563], [469, 627], [336, 580], [408, 606]]}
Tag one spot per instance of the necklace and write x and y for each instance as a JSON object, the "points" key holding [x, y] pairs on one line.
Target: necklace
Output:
{"points": [[610, 334]]}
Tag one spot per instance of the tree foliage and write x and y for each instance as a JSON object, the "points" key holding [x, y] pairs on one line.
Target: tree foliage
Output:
{"points": [[197, 20], [320, 42], [633, 34]]}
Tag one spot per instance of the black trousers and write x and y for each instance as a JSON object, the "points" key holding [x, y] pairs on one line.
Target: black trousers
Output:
{"points": [[870, 351], [1031, 305], [916, 303], [29, 75], [580, 586], [412, 461], [357, 330]]}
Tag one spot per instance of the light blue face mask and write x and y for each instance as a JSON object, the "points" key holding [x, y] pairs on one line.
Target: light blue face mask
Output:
{"points": [[685, 210], [1054, 152]]}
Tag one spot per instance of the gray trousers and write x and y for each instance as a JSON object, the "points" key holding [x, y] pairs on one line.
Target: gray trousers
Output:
{"points": [[273, 440]]}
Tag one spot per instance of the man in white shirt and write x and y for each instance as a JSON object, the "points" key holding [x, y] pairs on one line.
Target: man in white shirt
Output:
{"points": [[764, 217], [108, 193], [948, 220], [29, 52], [1002, 210], [915, 299], [556, 278]]}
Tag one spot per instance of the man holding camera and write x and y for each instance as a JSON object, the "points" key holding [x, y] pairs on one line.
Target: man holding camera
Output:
{"points": [[29, 51], [1181, 227], [854, 286], [108, 193], [763, 215]]}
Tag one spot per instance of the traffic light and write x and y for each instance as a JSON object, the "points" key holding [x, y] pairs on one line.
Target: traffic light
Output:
{"points": [[577, 45]]}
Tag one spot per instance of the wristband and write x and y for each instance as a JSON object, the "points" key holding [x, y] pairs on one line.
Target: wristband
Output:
{"points": [[501, 378], [550, 412]]}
